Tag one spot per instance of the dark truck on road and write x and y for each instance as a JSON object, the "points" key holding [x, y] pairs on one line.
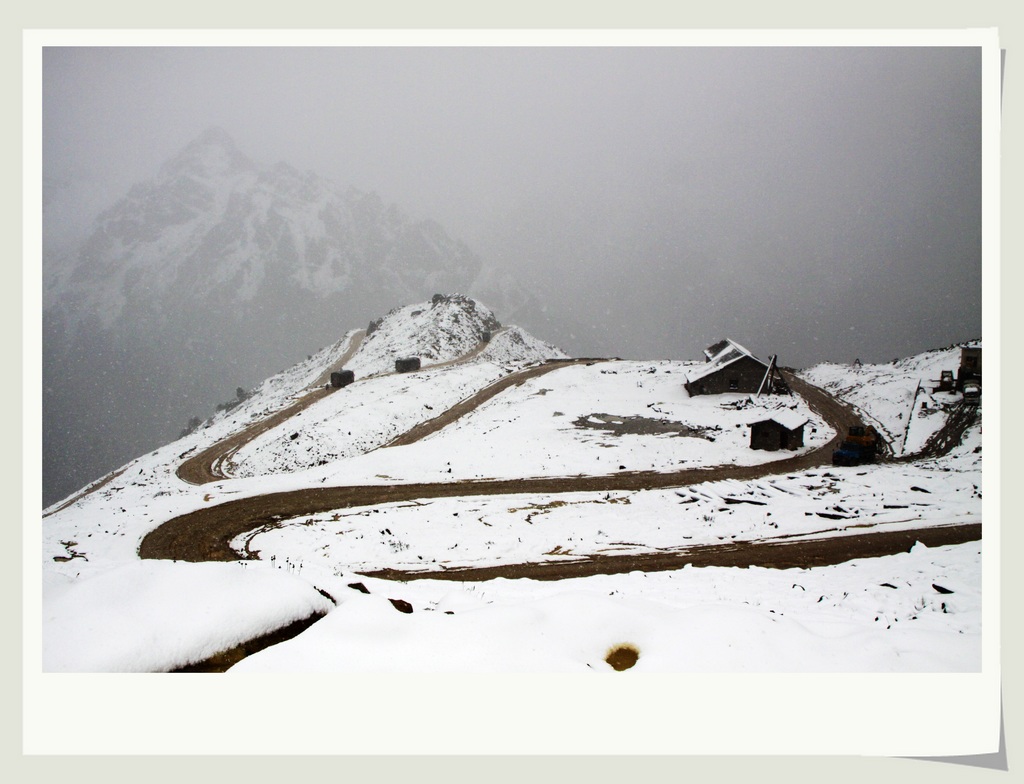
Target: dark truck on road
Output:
{"points": [[860, 446]]}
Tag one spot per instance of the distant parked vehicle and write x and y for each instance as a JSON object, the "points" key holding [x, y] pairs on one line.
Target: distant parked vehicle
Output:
{"points": [[972, 392], [946, 382]]}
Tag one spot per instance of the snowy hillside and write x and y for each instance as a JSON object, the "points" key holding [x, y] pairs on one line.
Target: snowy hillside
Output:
{"points": [[444, 329], [364, 416], [380, 404], [216, 273], [523, 465]]}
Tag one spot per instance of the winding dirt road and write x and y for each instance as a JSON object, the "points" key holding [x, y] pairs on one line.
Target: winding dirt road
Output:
{"points": [[205, 534], [780, 553], [208, 466], [353, 346], [424, 429]]}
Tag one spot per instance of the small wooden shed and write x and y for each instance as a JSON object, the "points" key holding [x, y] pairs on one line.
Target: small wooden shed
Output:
{"points": [[784, 430], [407, 364], [342, 378]]}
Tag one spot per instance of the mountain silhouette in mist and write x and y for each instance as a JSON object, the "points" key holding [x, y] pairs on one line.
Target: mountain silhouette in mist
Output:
{"points": [[213, 275]]}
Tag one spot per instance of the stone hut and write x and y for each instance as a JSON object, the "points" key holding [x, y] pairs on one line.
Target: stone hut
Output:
{"points": [[784, 430], [407, 364], [342, 378]]}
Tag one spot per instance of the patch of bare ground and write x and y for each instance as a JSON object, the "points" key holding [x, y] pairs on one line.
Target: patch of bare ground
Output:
{"points": [[639, 426], [622, 657]]}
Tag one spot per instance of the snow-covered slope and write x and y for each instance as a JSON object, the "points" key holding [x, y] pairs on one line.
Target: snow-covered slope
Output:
{"points": [[462, 348], [590, 419], [444, 329]]}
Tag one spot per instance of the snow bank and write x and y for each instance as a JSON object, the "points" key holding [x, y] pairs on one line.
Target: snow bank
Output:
{"points": [[872, 615], [155, 616]]}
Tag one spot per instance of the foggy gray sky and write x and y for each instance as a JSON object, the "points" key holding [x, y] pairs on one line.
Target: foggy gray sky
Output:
{"points": [[818, 203]]}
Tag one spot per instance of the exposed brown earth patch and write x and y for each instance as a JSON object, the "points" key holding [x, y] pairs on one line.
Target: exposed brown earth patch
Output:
{"points": [[622, 657], [639, 426]]}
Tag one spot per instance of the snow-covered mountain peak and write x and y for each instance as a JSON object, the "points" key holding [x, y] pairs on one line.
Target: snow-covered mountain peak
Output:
{"points": [[441, 330], [215, 268], [212, 154], [213, 228]]}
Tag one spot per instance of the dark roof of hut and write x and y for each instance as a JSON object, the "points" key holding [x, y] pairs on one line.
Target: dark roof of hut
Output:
{"points": [[721, 355]]}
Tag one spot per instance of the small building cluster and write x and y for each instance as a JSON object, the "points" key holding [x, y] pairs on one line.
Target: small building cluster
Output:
{"points": [[730, 368]]}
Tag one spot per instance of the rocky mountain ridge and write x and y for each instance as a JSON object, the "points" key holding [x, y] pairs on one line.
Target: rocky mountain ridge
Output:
{"points": [[214, 227]]}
